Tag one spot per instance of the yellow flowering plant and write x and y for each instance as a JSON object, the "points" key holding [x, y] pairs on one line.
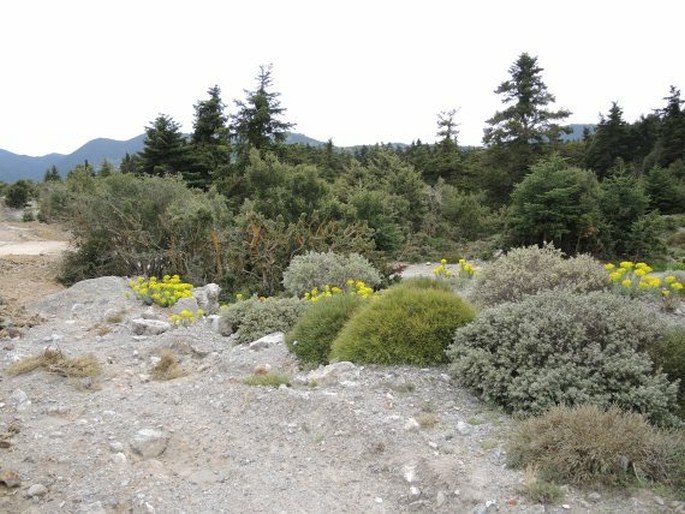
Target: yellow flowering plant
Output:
{"points": [[465, 270], [637, 278], [352, 287], [186, 317], [165, 292]]}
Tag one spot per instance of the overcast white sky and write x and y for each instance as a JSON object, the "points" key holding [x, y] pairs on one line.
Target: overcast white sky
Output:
{"points": [[354, 71]]}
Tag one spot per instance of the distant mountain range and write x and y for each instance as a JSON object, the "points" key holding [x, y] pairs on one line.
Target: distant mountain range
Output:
{"points": [[14, 167]]}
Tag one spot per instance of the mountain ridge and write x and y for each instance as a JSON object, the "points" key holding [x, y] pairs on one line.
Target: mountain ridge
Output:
{"points": [[15, 166]]}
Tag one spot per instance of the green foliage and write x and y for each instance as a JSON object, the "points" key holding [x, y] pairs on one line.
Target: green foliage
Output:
{"points": [[555, 203], [257, 317], [311, 337], [666, 192], [267, 380], [526, 120], [586, 445], [668, 353], [315, 269], [564, 348], [52, 174], [610, 141], [530, 270], [130, 225], [403, 326], [18, 194], [259, 248], [623, 201], [258, 123], [426, 283], [644, 239], [165, 149]]}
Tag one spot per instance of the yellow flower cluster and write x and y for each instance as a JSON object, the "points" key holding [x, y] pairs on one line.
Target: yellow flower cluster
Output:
{"points": [[354, 287], [465, 270], [441, 271], [165, 292], [186, 317], [637, 277]]}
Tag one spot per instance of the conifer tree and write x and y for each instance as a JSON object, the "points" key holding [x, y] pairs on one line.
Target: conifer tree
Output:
{"points": [[258, 123]]}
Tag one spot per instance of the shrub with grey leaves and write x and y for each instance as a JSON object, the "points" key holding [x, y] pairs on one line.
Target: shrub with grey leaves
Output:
{"points": [[532, 269], [315, 269], [257, 317], [565, 348]]}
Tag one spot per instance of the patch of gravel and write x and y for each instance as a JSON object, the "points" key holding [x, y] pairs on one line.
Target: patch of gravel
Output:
{"points": [[341, 439]]}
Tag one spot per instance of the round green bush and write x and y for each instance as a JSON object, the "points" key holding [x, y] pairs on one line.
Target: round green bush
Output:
{"points": [[403, 326], [668, 353], [311, 337], [531, 270], [315, 269], [564, 348]]}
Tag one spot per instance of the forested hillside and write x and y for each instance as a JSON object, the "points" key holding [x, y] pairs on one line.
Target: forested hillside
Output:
{"points": [[232, 203]]}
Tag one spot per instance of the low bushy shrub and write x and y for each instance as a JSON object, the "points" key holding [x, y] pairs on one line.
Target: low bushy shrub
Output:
{"points": [[311, 337], [427, 283], [586, 445], [403, 326], [668, 353], [257, 317], [564, 348], [315, 269], [532, 269]]}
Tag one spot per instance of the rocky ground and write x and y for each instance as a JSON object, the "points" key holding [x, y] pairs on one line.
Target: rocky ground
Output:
{"points": [[341, 439]]}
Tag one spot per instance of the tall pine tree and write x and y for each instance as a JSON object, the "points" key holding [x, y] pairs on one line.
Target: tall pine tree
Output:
{"points": [[258, 123]]}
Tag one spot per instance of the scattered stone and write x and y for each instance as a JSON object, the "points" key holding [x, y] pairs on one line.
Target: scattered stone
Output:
{"points": [[224, 326], [93, 508], [659, 500], [119, 458], [409, 473], [267, 341], [9, 346], [116, 446], [185, 304], [262, 369], [440, 498], [412, 425], [414, 491], [328, 375], [566, 506], [36, 490], [20, 399], [153, 327], [207, 297], [10, 478], [463, 428], [594, 497], [149, 443]]}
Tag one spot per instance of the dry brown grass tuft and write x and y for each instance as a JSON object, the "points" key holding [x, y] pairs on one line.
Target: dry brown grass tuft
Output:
{"points": [[167, 368], [587, 445], [54, 361]]}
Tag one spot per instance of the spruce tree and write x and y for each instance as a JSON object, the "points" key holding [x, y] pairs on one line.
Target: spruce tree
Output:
{"points": [[165, 149], [209, 141], [258, 123]]}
